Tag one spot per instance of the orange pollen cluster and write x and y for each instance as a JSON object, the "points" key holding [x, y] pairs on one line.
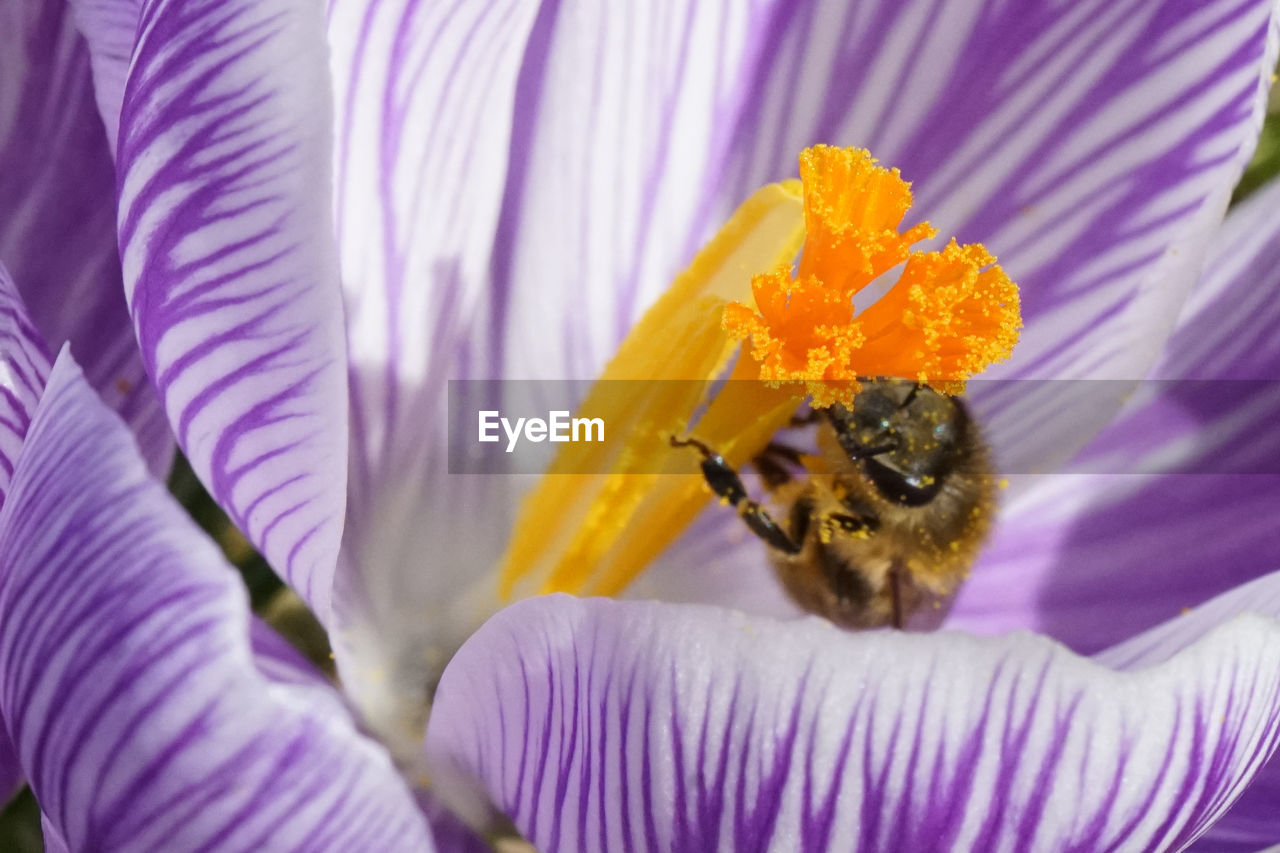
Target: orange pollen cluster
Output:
{"points": [[950, 314]]}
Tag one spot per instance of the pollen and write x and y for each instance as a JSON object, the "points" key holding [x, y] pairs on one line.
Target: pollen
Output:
{"points": [[949, 314]]}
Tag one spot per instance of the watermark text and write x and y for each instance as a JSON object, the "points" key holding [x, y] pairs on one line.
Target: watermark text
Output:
{"points": [[557, 426]]}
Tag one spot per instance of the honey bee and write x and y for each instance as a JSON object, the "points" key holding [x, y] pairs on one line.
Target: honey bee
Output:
{"points": [[892, 511]]}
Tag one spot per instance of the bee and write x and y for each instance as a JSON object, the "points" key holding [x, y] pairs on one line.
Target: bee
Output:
{"points": [[891, 514]]}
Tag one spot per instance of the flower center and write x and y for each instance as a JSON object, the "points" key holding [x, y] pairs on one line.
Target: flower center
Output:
{"points": [[605, 511]]}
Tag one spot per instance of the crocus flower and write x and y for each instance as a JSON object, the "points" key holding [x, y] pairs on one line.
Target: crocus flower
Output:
{"points": [[317, 228]]}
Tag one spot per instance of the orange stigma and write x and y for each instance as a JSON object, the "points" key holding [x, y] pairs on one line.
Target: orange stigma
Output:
{"points": [[950, 314]]}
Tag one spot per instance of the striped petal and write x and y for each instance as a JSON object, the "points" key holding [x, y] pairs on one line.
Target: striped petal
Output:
{"points": [[110, 28], [1225, 336], [607, 725], [1093, 558], [57, 213], [1253, 823], [127, 681], [1250, 825], [24, 366], [425, 95], [230, 270]]}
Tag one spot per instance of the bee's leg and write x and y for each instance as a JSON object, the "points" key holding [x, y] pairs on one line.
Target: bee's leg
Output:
{"points": [[726, 483]]}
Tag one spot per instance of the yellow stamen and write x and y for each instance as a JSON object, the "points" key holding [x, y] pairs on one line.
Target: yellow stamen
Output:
{"points": [[605, 511]]}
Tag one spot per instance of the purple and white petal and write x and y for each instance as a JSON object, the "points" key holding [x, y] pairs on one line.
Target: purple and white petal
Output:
{"points": [[425, 95], [57, 213], [619, 179], [1254, 821], [1251, 824], [230, 267], [603, 724], [110, 29], [1092, 146], [127, 678], [24, 366], [1093, 558]]}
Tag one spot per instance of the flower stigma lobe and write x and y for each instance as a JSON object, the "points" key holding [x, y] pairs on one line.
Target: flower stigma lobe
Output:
{"points": [[950, 314]]}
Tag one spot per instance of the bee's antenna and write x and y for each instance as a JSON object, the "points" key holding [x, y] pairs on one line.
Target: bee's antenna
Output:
{"points": [[911, 396]]}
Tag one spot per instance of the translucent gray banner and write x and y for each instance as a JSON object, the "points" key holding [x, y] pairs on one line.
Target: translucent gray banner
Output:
{"points": [[516, 427]]}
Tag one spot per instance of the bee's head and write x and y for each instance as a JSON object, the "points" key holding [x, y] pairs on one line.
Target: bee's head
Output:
{"points": [[907, 437]]}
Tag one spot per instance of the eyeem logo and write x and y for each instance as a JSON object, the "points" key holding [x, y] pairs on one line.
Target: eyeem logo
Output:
{"points": [[558, 427]]}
